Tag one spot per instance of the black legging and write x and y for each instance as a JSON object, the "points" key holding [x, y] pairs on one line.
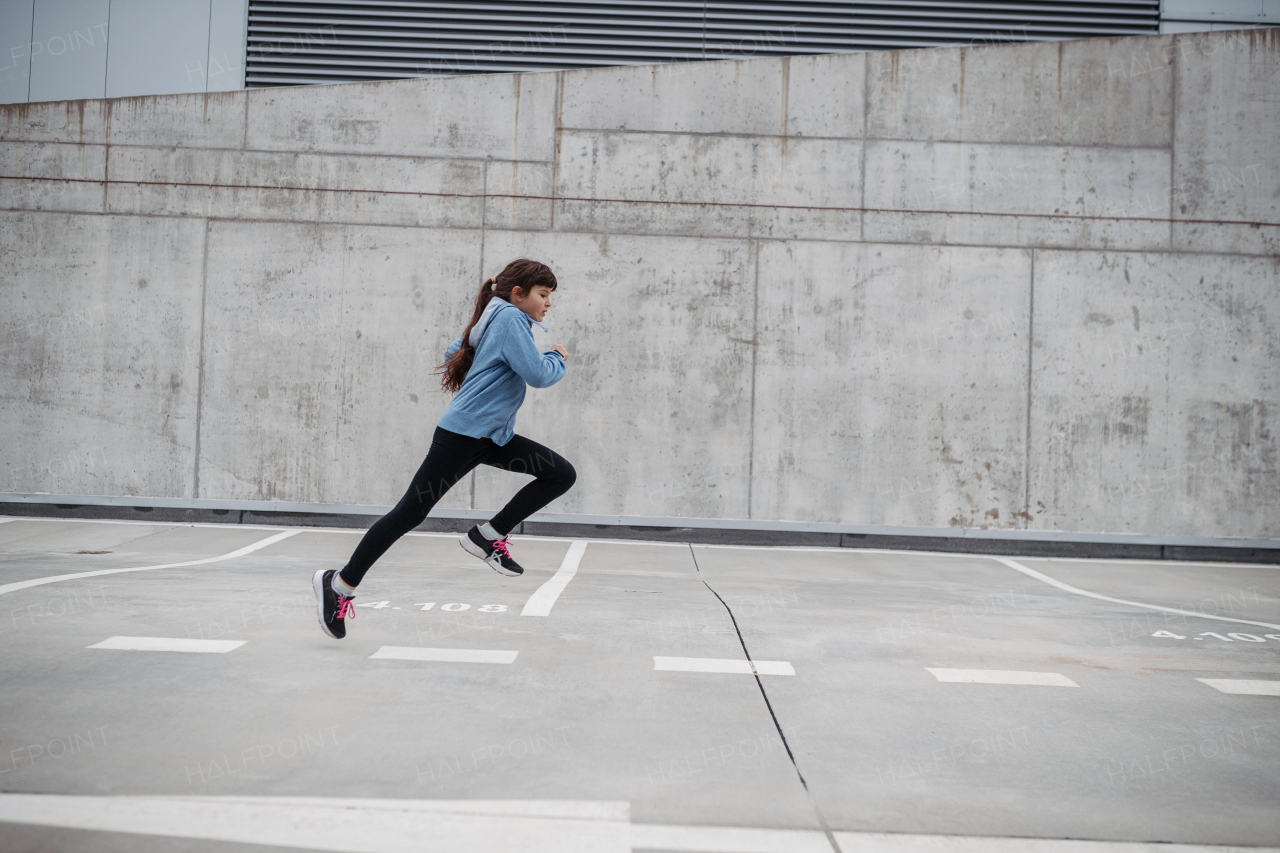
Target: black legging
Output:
{"points": [[450, 458]]}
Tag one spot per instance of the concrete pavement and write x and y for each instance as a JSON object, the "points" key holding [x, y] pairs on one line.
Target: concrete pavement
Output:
{"points": [[582, 742]]}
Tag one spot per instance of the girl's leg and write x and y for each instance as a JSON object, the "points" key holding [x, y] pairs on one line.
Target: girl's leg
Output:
{"points": [[554, 474], [450, 458]]}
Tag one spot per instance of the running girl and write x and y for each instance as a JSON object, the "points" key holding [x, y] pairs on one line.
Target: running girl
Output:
{"points": [[486, 369]]}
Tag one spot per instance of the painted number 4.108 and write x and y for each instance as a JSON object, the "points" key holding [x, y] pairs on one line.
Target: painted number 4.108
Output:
{"points": [[452, 607]]}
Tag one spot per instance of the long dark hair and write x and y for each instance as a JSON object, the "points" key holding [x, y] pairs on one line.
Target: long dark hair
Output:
{"points": [[523, 274]]}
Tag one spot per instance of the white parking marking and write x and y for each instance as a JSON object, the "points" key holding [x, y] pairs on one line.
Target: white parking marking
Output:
{"points": [[727, 839], [894, 842], [504, 826], [248, 549], [1243, 686], [1041, 576], [1002, 676], [723, 665], [350, 824], [167, 644], [444, 655], [539, 604]]}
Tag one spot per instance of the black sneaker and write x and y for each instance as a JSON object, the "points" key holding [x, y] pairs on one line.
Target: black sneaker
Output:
{"points": [[334, 609], [495, 553]]}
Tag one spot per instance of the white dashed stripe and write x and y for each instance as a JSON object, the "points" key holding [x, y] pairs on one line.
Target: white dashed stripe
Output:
{"points": [[732, 666], [1243, 686], [1002, 676], [167, 644], [444, 655]]}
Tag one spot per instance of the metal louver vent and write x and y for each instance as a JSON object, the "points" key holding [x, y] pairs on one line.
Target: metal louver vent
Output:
{"points": [[330, 42]]}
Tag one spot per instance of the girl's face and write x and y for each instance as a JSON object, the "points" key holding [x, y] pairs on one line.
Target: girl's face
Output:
{"points": [[535, 303]]}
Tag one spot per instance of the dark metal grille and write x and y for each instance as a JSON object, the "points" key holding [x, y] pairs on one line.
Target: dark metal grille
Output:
{"points": [[330, 42]]}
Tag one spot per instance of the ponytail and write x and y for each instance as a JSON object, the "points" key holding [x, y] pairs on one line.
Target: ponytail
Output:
{"points": [[522, 274]]}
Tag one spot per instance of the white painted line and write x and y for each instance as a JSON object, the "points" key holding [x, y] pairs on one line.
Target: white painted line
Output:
{"points": [[727, 839], [358, 825], [1002, 676], [444, 655], [1243, 686], [1040, 576], [7, 520], [894, 842], [539, 604], [350, 825], [167, 644], [723, 665], [248, 549], [1221, 564]]}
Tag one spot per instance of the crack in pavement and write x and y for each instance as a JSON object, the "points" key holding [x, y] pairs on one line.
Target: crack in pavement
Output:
{"points": [[822, 821]]}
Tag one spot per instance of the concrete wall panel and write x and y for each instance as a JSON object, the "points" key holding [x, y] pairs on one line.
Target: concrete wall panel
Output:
{"points": [[55, 121], [336, 179], [181, 121], [318, 351], [654, 409], [504, 178], [826, 95], [734, 96], [508, 117], [900, 373], [100, 367], [1040, 180], [1228, 125], [1089, 92], [51, 160], [1155, 386], [728, 170]]}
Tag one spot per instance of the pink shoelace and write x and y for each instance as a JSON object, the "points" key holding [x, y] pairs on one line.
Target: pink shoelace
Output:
{"points": [[346, 610], [500, 546]]}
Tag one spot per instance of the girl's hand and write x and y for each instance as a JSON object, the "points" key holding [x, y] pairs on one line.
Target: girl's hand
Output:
{"points": [[563, 352]]}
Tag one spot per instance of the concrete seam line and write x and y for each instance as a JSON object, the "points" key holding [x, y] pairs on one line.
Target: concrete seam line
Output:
{"points": [[248, 549], [1013, 564], [813, 803]]}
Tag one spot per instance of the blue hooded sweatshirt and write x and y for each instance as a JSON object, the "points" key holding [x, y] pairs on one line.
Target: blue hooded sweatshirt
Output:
{"points": [[506, 360]]}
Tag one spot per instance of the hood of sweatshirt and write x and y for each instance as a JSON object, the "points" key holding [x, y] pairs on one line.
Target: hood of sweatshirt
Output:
{"points": [[489, 310], [495, 305]]}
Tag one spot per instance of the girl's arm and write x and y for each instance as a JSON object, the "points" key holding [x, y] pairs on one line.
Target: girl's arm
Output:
{"points": [[453, 347], [539, 369]]}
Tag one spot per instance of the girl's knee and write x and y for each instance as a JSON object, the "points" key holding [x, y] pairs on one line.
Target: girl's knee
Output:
{"points": [[565, 474], [554, 469]]}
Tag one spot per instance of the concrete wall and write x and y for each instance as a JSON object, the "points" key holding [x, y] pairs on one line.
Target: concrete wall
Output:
{"points": [[945, 349]]}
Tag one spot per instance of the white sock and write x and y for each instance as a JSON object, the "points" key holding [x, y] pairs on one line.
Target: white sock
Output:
{"points": [[340, 587], [487, 531]]}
